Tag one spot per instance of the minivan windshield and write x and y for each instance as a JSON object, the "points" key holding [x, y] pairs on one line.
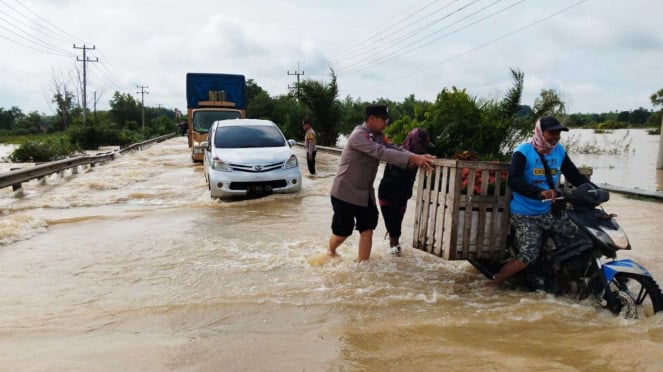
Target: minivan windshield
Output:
{"points": [[233, 137], [203, 120]]}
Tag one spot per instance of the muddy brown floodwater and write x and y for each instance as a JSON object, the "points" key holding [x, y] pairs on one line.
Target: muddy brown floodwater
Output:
{"points": [[132, 267]]}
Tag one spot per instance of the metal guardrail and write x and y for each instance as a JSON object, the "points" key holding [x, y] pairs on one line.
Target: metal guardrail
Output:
{"points": [[635, 192], [612, 188], [16, 177], [331, 150]]}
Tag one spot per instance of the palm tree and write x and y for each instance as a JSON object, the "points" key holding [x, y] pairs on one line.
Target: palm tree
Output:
{"points": [[549, 103]]}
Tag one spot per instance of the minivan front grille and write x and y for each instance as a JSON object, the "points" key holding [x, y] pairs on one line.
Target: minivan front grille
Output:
{"points": [[257, 168]]}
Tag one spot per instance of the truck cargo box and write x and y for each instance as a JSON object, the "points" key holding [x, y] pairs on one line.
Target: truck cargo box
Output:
{"points": [[206, 87]]}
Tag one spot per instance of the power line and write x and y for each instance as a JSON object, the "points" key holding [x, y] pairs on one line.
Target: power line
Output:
{"points": [[32, 25], [382, 33], [49, 32], [28, 29], [403, 38], [22, 75], [493, 41], [116, 72], [33, 40], [31, 47], [412, 45], [65, 34]]}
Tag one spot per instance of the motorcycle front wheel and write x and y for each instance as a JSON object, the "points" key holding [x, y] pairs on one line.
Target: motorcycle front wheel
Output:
{"points": [[644, 291]]}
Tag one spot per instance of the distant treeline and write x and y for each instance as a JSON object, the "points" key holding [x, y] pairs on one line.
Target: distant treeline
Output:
{"points": [[638, 118], [45, 137], [457, 120]]}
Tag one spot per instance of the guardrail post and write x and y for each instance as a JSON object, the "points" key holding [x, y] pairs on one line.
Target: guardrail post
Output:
{"points": [[74, 170], [16, 186]]}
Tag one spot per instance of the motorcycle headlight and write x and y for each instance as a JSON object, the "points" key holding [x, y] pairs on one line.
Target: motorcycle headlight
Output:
{"points": [[618, 237], [291, 162], [220, 165], [609, 237]]}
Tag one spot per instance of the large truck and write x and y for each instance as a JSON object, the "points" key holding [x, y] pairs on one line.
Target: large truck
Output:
{"points": [[212, 97]]}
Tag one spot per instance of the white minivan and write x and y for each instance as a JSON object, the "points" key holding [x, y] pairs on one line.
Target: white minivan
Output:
{"points": [[249, 157]]}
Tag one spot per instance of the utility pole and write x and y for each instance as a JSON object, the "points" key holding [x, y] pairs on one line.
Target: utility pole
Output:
{"points": [[659, 161], [298, 74], [142, 93], [95, 107], [85, 60]]}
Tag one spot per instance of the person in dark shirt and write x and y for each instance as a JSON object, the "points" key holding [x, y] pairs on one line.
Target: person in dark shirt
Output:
{"points": [[533, 174], [396, 187]]}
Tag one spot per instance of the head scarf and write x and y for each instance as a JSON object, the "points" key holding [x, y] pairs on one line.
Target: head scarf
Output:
{"points": [[539, 142], [417, 141]]}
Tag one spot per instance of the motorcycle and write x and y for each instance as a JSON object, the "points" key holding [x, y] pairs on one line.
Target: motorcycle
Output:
{"points": [[588, 267]]}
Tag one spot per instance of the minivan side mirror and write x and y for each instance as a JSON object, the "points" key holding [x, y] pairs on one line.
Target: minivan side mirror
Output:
{"points": [[292, 142], [205, 145]]}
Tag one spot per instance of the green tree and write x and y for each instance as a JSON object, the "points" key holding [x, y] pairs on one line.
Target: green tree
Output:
{"points": [[163, 124], [64, 102], [510, 120], [352, 114], [623, 116], [548, 103], [287, 113], [124, 109], [639, 116], [29, 124], [577, 120], [459, 122], [259, 103], [8, 117], [510, 104], [654, 120], [657, 98], [454, 122], [325, 112]]}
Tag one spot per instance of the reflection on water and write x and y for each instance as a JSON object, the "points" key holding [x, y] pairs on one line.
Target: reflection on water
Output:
{"points": [[132, 266]]}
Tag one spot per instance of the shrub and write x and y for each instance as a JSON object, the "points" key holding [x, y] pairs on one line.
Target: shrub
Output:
{"points": [[91, 137], [43, 150]]}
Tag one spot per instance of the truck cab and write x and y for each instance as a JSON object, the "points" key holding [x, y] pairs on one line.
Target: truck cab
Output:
{"points": [[200, 122], [212, 97]]}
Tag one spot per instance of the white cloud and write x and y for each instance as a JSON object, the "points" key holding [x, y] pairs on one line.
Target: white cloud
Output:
{"points": [[601, 56]]}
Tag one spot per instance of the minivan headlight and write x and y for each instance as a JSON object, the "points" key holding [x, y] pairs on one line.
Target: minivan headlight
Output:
{"points": [[220, 165], [291, 162]]}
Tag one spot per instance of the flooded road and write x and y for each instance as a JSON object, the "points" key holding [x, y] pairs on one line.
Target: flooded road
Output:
{"points": [[131, 266]]}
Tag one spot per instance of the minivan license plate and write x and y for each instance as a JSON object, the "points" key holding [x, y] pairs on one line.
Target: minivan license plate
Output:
{"points": [[259, 189]]}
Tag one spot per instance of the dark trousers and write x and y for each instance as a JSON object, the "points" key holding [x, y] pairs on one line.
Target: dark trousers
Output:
{"points": [[310, 161], [393, 217]]}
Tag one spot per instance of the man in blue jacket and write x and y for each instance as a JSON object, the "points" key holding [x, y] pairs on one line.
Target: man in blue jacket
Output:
{"points": [[533, 173]]}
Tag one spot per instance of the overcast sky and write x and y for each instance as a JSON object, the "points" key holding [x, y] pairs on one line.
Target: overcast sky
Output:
{"points": [[601, 55]]}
